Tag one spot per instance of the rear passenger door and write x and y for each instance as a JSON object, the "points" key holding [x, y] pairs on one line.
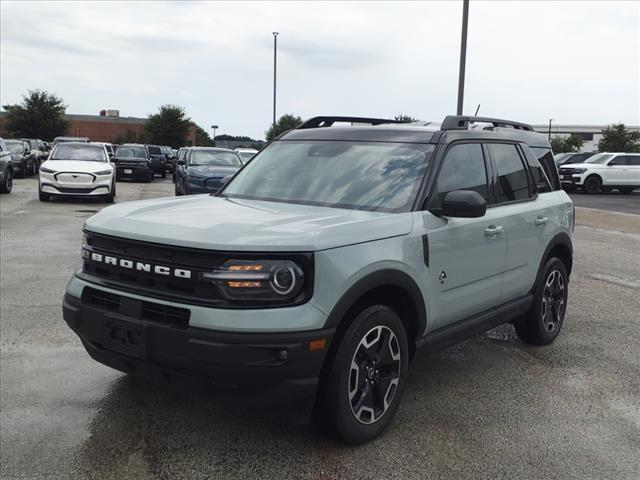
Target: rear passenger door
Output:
{"points": [[466, 255], [525, 213], [633, 166]]}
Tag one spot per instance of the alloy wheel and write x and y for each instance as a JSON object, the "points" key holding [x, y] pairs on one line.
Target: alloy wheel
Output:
{"points": [[553, 301], [374, 374]]}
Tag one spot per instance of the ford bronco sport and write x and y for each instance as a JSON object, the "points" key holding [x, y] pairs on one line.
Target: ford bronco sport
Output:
{"points": [[322, 266]]}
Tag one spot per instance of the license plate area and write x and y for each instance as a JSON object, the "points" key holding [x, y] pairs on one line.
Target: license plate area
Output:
{"points": [[127, 338], [128, 171]]}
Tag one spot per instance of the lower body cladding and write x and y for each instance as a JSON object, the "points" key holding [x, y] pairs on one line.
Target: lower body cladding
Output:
{"points": [[157, 342]]}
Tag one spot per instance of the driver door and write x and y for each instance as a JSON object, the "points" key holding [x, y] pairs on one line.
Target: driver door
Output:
{"points": [[467, 255]]}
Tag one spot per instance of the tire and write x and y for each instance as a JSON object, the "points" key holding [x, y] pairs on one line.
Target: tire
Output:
{"points": [[34, 168], [149, 179], [357, 402], [626, 191], [7, 184], [44, 197], [109, 198], [542, 324], [592, 184], [177, 191]]}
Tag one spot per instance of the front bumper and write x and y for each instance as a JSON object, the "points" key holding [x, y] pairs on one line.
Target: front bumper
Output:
{"points": [[133, 172], [572, 179], [101, 185], [281, 365]]}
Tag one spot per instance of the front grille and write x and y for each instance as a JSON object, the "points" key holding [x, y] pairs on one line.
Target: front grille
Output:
{"points": [[137, 309], [125, 163], [76, 190], [193, 290]]}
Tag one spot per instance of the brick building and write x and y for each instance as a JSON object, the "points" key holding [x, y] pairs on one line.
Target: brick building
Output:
{"points": [[103, 128]]}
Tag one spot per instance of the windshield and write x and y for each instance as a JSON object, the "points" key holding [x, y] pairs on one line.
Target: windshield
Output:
{"points": [[131, 152], [377, 176], [213, 157], [154, 151], [246, 156], [78, 152], [15, 147], [600, 158]]}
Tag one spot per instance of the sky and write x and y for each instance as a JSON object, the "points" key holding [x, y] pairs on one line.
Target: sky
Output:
{"points": [[575, 62]]}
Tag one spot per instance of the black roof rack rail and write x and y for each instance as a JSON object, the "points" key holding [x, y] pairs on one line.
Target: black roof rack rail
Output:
{"points": [[316, 122], [460, 122]]}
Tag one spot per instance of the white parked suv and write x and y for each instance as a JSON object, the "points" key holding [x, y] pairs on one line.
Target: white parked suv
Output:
{"points": [[603, 172], [77, 169]]}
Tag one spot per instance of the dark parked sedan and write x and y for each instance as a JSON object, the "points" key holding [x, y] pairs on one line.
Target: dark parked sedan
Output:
{"points": [[24, 163], [132, 161], [203, 169]]}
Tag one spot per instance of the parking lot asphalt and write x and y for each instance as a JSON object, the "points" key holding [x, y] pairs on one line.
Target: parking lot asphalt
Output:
{"points": [[490, 407], [612, 201]]}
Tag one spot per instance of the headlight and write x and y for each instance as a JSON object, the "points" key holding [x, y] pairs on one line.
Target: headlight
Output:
{"points": [[103, 172], [46, 170], [579, 170], [259, 280]]}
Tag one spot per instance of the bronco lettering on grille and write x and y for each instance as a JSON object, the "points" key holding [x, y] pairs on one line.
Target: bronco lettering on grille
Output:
{"points": [[138, 266]]}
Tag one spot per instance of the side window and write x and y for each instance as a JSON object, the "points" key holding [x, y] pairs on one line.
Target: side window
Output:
{"points": [[463, 169], [539, 176], [619, 161], [512, 176], [633, 160], [545, 157]]}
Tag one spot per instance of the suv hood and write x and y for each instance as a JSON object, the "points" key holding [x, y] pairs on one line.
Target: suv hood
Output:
{"points": [[580, 165], [218, 223], [76, 166]]}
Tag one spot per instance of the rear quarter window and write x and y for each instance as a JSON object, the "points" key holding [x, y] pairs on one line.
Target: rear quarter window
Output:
{"points": [[545, 157]]}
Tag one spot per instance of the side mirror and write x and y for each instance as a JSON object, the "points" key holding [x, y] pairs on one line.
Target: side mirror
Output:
{"points": [[463, 204], [182, 162]]}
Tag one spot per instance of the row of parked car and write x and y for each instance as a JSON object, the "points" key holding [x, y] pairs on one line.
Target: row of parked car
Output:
{"points": [[599, 172], [77, 167]]}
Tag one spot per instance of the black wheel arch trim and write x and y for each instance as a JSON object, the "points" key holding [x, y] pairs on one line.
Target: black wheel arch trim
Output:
{"points": [[375, 279], [561, 239]]}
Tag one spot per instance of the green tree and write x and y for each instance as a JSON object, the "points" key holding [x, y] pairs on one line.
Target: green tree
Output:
{"points": [[618, 138], [40, 115], [284, 123], [562, 144], [401, 117], [124, 137], [203, 139], [169, 126]]}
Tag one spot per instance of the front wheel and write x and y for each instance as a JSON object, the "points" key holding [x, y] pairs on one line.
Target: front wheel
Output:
{"points": [[542, 324], [7, 184], [44, 197], [364, 386], [592, 184]]}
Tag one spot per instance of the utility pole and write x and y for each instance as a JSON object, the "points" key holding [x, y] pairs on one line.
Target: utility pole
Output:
{"points": [[214, 127], [550, 120], [463, 55], [275, 65]]}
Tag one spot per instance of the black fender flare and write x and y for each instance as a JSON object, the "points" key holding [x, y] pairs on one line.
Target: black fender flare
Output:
{"points": [[561, 238], [375, 279]]}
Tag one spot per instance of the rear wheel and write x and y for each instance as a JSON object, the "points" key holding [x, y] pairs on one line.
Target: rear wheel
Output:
{"points": [[626, 191], [545, 318], [592, 184], [364, 385], [7, 184]]}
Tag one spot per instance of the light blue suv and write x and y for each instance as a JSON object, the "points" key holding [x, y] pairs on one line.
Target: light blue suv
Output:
{"points": [[329, 259]]}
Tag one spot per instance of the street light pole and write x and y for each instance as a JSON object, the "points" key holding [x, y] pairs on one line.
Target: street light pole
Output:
{"points": [[463, 55], [550, 120], [215, 127], [275, 63]]}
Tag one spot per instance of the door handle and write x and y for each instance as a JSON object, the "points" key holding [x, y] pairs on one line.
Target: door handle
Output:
{"points": [[541, 220], [492, 230]]}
